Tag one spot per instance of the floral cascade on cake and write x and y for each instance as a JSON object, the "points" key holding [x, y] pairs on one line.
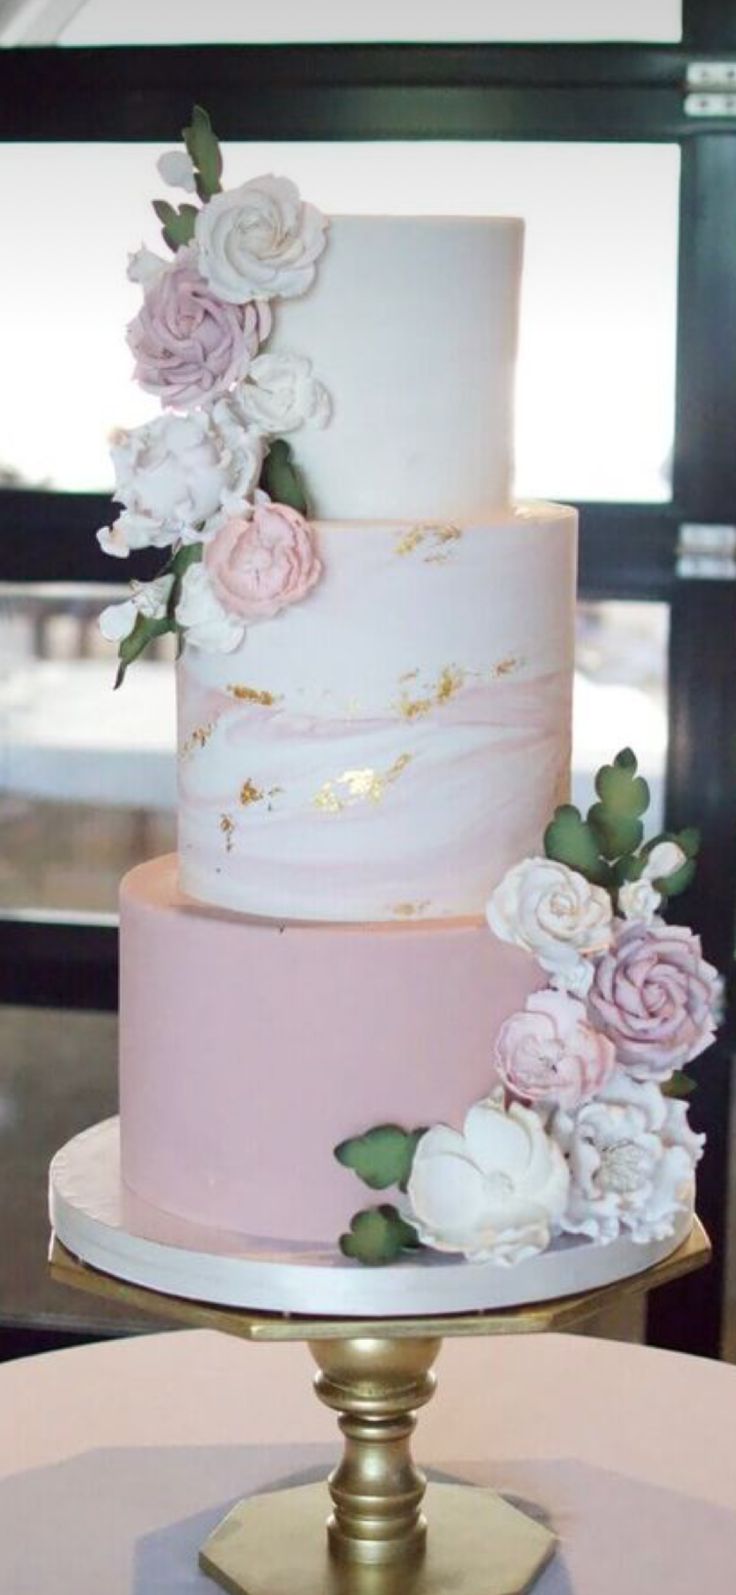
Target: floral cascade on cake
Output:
{"points": [[583, 1131], [213, 478]]}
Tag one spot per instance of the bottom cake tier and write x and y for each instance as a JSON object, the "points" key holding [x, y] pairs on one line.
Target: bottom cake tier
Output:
{"points": [[250, 1048]]}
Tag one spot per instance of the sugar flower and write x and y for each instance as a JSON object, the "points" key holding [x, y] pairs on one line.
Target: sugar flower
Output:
{"points": [[494, 1192], [259, 240], [655, 996], [632, 1157], [551, 1053]]}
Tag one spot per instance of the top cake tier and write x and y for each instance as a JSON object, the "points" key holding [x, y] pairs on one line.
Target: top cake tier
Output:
{"points": [[412, 325]]}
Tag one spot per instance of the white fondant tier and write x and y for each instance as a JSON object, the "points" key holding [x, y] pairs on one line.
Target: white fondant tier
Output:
{"points": [[389, 746], [412, 325], [99, 1221]]}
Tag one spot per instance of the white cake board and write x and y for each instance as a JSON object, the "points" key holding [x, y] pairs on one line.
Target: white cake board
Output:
{"points": [[102, 1223]]}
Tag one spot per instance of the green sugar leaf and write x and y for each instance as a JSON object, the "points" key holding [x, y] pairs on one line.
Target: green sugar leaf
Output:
{"points": [[281, 478], [623, 793], [377, 1235], [381, 1157], [681, 1085], [177, 225], [204, 153], [138, 639], [689, 840], [570, 840], [616, 834]]}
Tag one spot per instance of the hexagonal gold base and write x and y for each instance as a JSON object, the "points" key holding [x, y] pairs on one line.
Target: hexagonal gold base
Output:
{"points": [[477, 1545]]}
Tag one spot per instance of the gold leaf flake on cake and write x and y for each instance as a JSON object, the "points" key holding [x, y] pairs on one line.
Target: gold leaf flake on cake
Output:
{"points": [[253, 695], [227, 826], [197, 738], [358, 786], [250, 793], [410, 910], [449, 681], [505, 667], [434, 538]]}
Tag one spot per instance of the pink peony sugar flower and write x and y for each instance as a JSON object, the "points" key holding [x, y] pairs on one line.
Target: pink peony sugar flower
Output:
{"points": [[259, 564], [655, 996], [552, 1053], [189, 346]]}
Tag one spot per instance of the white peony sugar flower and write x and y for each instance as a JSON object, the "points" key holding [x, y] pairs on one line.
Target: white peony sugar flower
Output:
{"points": [[632, 1157], [176, 474], [280, 394], [494, 1192]]}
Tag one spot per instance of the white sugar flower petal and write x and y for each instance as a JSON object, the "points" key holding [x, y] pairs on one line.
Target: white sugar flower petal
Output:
{"points": [[281, 394], [554, 913], [144, 265], [117, 620], [112, 540], [176, 169], [639, 900], [665, 859], [207, 624]]}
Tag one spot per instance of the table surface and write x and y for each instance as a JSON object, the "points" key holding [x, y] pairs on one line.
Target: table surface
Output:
{"points": [[117, 1459]]}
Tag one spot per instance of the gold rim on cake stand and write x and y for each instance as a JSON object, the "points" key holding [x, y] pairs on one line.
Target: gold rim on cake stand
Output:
{"points": [[376, 1374]]}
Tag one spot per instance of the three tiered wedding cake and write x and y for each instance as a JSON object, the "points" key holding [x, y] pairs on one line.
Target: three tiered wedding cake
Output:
{"points": [[383, 910]]}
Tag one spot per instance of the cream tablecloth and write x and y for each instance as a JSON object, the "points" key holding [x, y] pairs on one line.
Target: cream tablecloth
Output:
{"points": [[116, 1460]]}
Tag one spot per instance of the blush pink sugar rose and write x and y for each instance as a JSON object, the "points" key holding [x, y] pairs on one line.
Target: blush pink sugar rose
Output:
{"points": [[654, 996], [259, 564], [551, 1052], [189, 346]]}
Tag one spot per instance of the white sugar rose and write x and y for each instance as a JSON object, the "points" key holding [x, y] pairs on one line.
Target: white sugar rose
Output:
{"points": [[639, 900], [207, 624], [665, 859], [176, 473], [259, 241], [280, 394], [147, 598], [632, 1157], [496, 1192], [554, 913]]}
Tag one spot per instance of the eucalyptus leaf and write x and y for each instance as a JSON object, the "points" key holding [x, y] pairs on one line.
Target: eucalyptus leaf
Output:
{"points": [[570, 840], [622, 792], [177, 225], [281, 478], [132, 646], [616, 834], [378, 1235], [382, 1157], [204, 153]]}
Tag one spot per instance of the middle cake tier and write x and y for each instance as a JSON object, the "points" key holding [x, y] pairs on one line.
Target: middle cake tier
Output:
{"points": [[388, 747]]}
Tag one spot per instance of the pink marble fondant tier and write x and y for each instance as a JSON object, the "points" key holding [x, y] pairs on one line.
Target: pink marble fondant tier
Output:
{"points": [[250, 1048]]}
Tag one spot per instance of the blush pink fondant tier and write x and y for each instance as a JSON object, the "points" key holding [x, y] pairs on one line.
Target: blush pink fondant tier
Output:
{"points": [[250, 1048]]}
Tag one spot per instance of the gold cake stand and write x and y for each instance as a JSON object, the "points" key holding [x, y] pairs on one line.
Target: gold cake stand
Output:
{"points": [[376, 1373]]}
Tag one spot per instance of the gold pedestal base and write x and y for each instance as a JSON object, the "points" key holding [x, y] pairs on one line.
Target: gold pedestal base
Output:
{"points": [[477, 1545], [376, 1374]]}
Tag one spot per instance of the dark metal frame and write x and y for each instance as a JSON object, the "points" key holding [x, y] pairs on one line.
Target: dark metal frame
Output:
{"points": [[607, 93]]}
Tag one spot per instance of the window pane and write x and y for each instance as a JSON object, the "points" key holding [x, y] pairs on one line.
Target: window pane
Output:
{"points": [[229, 21], [621, 696], [87, 775], [58, 1074], [595, 397]]}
